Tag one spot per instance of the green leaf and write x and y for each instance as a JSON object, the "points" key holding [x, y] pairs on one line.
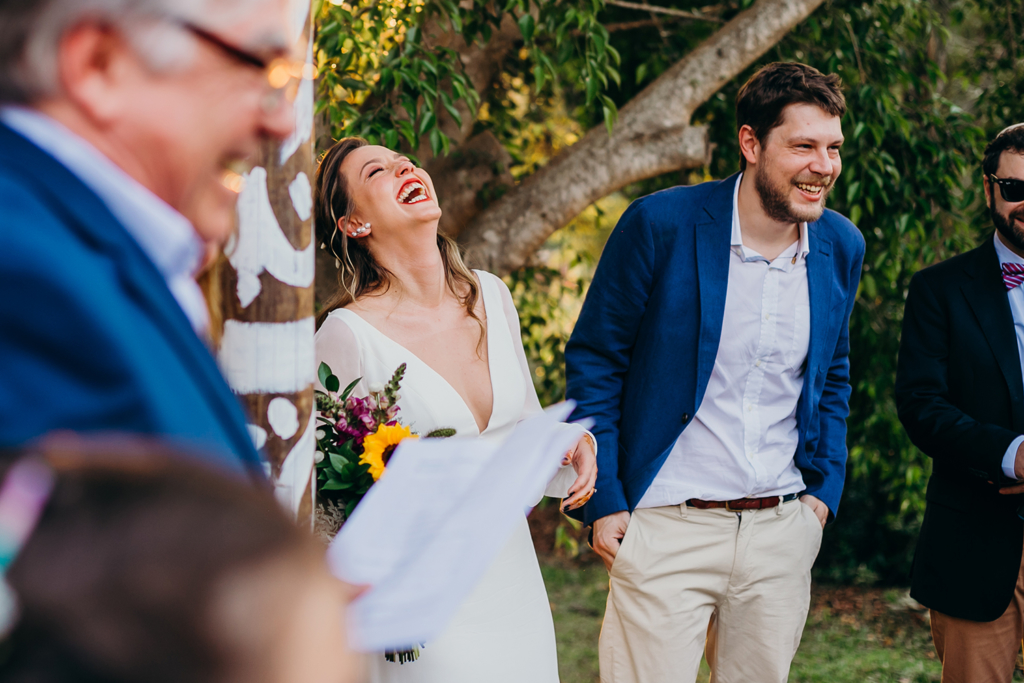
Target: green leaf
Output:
{"points": [[337, 462], [436, 145], [610, 116], [614, 74], [353, 84], [323, 372], [450, 108], [349, 388], [855, 212], [391, 139], [539, 76], [427, 123], [405, 127], [335, 485], [641, 73], [332, 383], [527, 26]]}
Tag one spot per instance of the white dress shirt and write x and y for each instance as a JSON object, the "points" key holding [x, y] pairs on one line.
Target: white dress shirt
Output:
{"points": [[166, 237], [1016, 299], [743, 437]]}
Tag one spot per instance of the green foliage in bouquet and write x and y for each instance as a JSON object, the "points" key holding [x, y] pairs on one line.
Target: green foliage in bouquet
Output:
{"points": [[346, 467]]}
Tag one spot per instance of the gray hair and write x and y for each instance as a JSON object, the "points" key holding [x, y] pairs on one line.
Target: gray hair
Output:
{"points": [[31, 31]]}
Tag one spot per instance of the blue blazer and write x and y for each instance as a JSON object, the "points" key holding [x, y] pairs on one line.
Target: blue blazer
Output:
{"points": [[639, 360], [91, 338]]}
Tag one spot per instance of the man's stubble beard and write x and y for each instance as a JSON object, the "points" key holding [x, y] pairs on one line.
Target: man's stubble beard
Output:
{"points": [[775, 200], [1006, 224]]}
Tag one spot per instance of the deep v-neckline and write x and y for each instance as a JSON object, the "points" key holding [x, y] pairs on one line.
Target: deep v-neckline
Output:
{"points": [[438, 375]]}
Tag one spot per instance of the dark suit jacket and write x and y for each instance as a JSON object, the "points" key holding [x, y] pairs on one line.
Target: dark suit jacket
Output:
{"points": [[642, 353], [961, 400], [91, 338]]}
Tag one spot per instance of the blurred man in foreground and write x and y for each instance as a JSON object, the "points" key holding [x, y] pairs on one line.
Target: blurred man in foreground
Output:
{"points": [[138, 567], [961, 399], [119, 120]]}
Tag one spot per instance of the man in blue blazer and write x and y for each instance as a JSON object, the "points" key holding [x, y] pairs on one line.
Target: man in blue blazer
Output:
{"points": [[116, 123], [711, 353]]}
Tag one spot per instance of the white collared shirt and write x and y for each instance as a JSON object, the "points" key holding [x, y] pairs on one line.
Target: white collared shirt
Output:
{"points": [[1016, 298], [743, 438], [166, 237]]}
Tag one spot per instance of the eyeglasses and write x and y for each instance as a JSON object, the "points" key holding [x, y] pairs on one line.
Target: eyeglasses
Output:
{"points": [[283, 74], [1011, 188]]}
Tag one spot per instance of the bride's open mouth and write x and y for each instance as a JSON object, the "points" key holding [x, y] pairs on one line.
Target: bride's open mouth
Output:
{"points": [[412, 192]]}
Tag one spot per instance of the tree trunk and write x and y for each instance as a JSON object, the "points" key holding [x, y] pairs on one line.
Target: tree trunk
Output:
{"points": [[266, 351], [653, 136]]}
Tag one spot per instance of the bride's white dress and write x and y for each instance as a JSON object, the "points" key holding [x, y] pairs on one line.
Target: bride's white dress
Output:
{"points": [[503, 632]]}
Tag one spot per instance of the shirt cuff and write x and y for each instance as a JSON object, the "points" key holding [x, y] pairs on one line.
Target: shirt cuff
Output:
{"points": [[593, 440], [1010, 458]]}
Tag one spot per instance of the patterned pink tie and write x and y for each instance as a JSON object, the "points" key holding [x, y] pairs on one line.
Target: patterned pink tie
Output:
{"points": [[1013, 275]]}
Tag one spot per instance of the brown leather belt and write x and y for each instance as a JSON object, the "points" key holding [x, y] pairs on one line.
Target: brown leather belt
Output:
{"points": [[742, 503]]}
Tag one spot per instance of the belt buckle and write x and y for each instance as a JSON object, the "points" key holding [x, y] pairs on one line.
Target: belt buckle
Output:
{"points": [[728, 507]]}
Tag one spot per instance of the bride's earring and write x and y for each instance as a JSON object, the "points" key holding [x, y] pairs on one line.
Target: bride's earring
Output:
{"points": [[361, 230]]}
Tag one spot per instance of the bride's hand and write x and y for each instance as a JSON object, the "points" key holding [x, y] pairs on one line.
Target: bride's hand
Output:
{"points": [[584, 461]]}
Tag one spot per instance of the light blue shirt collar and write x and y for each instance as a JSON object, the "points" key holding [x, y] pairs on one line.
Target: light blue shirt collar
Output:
{"points": [[1004, 253], [165, 236]]}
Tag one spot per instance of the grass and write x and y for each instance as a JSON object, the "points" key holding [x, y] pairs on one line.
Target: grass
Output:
{"points": [[853, 635]]}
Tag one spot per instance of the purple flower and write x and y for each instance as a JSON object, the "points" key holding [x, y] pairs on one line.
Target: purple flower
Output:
{"points": [[360, 415], [356, 431]]}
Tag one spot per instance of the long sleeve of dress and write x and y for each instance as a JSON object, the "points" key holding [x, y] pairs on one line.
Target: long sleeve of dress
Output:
{"points": [[336, 345], [558, 487]]}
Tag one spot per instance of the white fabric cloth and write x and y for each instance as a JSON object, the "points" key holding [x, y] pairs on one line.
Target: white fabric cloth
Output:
{"points": [[1016, 298], [680, 569], [503, 633], [743, 437], [166, 237]]}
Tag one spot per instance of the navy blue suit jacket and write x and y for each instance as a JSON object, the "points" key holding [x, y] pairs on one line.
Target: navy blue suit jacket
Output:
{"points": [[91, 338], [642, 353]]}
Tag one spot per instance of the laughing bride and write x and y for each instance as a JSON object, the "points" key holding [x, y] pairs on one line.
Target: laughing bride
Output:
{"points": [[405, 296]]}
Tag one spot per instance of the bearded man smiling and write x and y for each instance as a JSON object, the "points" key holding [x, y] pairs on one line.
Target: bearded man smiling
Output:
{"points": [[726, 305]]}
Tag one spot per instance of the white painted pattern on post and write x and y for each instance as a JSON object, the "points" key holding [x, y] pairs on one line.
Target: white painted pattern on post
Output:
{"points": [[258, 435], [302, 196], [283, 417], [261, 245], [295, 471], [268, 358]]}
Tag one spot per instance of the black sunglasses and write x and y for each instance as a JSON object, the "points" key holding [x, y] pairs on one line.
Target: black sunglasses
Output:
{"points": [[1011, 188]]}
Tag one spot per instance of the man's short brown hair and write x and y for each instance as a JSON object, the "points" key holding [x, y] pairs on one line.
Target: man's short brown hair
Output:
{"points": [[762, 100]]}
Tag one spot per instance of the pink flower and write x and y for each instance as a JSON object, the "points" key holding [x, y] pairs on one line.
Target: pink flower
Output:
{"points": [[360, 414]]}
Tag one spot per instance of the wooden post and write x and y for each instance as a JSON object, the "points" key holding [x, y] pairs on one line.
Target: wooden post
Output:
{"points": [[266, 351]]}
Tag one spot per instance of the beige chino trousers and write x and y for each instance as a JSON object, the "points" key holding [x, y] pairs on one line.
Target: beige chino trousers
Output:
{"points": [[739, 582]]}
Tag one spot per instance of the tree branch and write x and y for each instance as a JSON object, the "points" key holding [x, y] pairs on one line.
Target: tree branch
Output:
{"points": [[653, 136], [654, 9]]}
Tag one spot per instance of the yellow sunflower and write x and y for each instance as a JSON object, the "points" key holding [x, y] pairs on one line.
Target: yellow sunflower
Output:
{"points": [[378, 447]]}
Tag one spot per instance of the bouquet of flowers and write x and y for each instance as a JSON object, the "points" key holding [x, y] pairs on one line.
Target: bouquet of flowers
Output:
{"points": [[355, 439]]}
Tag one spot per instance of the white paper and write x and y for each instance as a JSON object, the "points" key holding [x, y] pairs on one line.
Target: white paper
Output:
{"points": [[426, 533]]}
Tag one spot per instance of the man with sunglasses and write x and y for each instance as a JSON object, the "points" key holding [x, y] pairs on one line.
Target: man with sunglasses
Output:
{"points": [[120, 122], [961, 399]]}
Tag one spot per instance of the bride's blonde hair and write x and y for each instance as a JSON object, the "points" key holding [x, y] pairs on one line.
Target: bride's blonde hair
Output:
{"points": [[359, 273]]}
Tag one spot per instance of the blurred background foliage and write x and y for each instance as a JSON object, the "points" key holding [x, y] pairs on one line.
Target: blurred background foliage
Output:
{"points": [[927, 82]]}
